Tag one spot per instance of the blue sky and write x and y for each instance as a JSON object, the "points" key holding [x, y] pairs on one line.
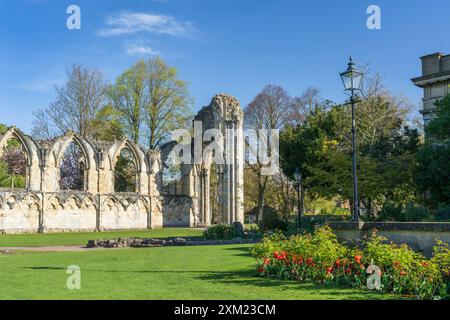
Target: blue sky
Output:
{"points": [[231, 46]]}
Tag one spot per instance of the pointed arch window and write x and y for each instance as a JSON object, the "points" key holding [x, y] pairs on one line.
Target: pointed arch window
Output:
{"points": [[72, 169], [125, 172], [13, 165]]}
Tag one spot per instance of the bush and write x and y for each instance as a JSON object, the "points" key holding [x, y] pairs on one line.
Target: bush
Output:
{"points": [[410, 213], [442, 213], [320, 258], [219, 232], [271, 220]]}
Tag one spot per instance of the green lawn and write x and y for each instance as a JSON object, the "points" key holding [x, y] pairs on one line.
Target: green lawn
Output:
{"points": [[81, 238], [204, 272]]}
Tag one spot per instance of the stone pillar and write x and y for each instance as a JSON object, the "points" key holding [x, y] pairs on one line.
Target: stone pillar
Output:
{"points": [[239, 173], [207, 214]]}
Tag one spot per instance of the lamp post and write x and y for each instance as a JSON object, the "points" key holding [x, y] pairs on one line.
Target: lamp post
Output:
{"points": [[352, 79], [298, 182]]}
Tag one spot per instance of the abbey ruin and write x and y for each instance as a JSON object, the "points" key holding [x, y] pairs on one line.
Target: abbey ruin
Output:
{"points": [[43, 207]]}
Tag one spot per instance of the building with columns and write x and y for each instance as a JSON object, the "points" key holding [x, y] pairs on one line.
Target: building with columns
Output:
{"points": [[435, 81]]}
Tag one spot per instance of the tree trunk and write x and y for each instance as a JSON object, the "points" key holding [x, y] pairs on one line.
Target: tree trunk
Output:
{"points": [[261, 195]]}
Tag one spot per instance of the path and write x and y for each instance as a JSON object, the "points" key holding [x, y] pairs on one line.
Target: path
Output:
{"points": [[56, 249]]}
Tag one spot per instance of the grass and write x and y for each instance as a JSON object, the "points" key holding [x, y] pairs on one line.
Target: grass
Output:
{"points": [[207, 272], [81, 238]]}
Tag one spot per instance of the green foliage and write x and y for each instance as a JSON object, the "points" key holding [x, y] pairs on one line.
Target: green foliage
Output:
{"points": [[3, 128], [271, 220], [385, 160], [320, 258], [125, 172], [439, 128], [107, 125], [220, 232], [433, 168], [150, 101], [408, 213], [5, 179]]}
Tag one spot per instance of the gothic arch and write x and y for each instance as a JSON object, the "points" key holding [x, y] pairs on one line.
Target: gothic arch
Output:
{"points": [[15, 133], [135, 151], [66, 140]]}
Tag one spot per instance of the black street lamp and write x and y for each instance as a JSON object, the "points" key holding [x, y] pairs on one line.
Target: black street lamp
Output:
{"points": [[352, 79], [298, 182]]}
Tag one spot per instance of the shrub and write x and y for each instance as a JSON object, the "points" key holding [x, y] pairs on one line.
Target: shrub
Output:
{"points": [[271, 220], [409, 213], [320, 258], [219, 232], [442, 212]]}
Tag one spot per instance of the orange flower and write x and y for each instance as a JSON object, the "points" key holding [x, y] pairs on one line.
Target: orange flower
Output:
{"points": [[358, 259], [329, 270], [338, 262], [266, 261], [403, 273]]}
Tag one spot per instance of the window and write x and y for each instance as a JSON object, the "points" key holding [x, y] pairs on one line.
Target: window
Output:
{"points": [[72, 169], [13, 165], [125, 172]]}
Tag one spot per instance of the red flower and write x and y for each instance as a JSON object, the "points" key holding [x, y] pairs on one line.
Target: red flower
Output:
{"points": [[309, 261], [358, 259], [338, 262], [261, 269], [348, 271], [396, 264], [425, 264], [329, 270], [266, 261], [300, 260], [403, 273]]}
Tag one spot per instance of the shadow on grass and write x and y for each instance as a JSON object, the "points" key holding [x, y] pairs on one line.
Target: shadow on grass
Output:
{"points": [[246, 278]]}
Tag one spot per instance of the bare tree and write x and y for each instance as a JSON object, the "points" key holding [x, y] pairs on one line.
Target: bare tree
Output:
{"points": [[303, 105], [76, 106], [268, 110]]}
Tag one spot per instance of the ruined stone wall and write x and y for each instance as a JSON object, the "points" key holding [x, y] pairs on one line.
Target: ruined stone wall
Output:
{"points": [[179, 211], [43, 207]]}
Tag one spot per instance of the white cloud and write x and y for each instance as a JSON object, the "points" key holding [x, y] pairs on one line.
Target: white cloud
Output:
{"points": [[136, 49], [134, 22]]}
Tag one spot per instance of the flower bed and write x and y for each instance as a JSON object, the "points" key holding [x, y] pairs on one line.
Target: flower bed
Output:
{"points": [[320, 258]]}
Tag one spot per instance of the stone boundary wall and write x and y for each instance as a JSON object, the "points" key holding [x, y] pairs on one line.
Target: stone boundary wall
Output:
{"points": [[420, 236]]}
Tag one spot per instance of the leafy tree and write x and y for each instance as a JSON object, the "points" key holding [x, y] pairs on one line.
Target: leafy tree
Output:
{"points": [[125, 173], [167, 102], [433, 168], [129, 97], [386, 148]]}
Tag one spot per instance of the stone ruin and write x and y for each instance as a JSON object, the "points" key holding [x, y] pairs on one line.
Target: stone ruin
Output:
{"points": [[43, 207]]}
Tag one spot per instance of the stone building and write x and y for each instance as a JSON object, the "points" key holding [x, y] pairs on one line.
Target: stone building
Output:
{"points": [[435, 81], [43, 207]]}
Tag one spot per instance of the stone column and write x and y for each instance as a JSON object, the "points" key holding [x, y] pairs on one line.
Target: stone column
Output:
{"points": [[207, 213]]}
